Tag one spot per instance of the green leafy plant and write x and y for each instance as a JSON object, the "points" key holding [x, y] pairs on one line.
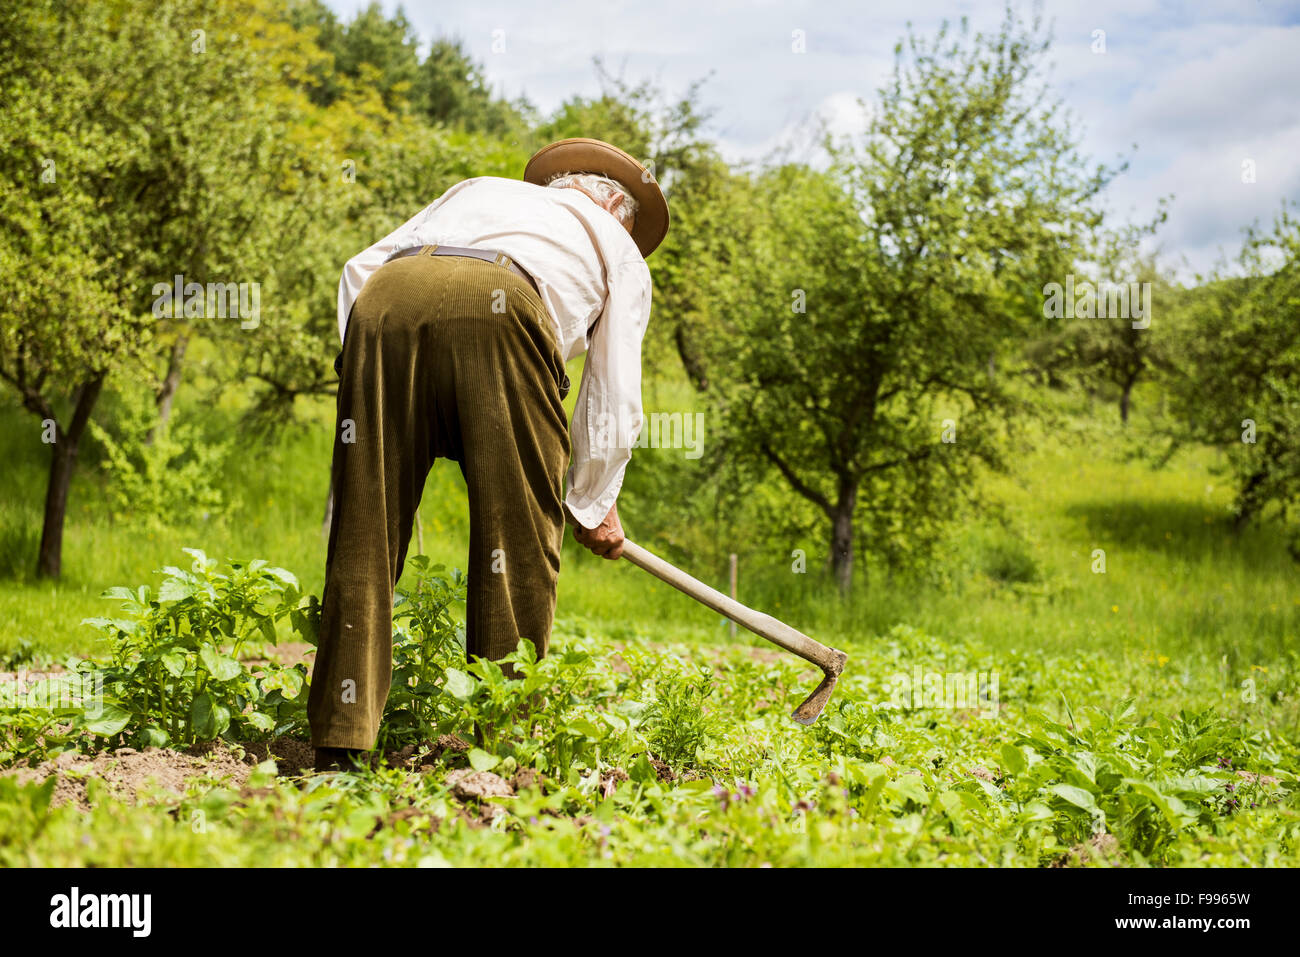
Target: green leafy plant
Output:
{"points": [[677, 724], [427, 640], [521, 711], [1146, 783], [175, 676], [542, 715], [160, 472], [34, 733]]}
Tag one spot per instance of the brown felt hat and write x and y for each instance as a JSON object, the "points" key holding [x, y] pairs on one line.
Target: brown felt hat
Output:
{"points": [[583, 155]]}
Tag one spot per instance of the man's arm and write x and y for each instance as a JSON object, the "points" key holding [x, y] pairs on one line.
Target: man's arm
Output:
{"points": [[607, 417], [606, 539]]}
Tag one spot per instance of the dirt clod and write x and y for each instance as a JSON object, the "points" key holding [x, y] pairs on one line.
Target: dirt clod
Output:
{"points": [[467, 784], [292, 757], [526, 778], [1099, 847], [445, 743], [1253, 778], [410, 813], [610, 780]]}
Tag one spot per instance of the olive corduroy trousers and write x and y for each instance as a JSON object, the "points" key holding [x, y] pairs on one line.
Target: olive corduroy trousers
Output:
{"points": [[451, 357]]}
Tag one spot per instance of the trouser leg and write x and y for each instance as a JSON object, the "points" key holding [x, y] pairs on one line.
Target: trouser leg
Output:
{"points": [[383, 448], [502, 376]]}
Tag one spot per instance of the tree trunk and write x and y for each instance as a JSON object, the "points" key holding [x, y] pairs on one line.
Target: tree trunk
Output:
{"points": [[63, 462], [1125, 398], [171, 382], [842, 546]]}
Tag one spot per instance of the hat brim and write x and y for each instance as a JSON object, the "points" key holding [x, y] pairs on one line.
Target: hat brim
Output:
{"points": [[583, 155]]}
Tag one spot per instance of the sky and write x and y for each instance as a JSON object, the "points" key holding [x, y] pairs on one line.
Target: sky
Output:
{"points": [[1197, 96]]}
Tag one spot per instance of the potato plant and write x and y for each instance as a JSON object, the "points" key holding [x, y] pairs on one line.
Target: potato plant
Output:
{"points": [[175, 676]]}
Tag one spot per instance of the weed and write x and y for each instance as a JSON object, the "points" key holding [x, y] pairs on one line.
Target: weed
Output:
{"points": [[677, 723]]}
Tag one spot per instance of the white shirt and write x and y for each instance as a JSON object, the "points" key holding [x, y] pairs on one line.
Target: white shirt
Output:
{"points": [[589, 273]]}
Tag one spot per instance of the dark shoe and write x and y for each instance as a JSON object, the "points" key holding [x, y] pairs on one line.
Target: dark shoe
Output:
{"points": [[339, 759]]}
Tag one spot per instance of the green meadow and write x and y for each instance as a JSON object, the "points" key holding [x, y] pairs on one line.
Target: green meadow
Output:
{"points": [[1144, 711]]}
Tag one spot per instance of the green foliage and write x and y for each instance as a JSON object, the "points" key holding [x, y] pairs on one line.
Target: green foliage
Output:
{"points": [[542, 716], [1235, 383], [159, 473], [381, 54], [882, 295], [921, 254], [454, 91], [18, 541], [519, 710], [427, 641], [1055, 775], [29, 733], [1146, 783], [1006, 560], [175, 675], [1111, 343], [678, 725]]}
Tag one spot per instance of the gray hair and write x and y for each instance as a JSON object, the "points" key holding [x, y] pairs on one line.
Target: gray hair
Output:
{"points": [[601, 187]]}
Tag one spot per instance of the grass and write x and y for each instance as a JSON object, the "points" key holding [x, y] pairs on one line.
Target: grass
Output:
{"points": [[1179, 584], [1187, 639], [1041, 779]]}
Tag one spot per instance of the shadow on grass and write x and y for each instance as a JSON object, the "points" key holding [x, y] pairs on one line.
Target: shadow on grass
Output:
{"points": [[1186, 530]]}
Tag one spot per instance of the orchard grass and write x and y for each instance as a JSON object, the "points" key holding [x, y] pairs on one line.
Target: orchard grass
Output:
{"points": [[1145, 715]]}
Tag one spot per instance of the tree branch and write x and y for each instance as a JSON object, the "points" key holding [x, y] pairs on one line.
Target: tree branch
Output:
{"points": [[797, 483]]}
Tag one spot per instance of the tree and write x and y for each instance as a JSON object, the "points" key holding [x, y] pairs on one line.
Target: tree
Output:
{"points": [[1235, 379], [452, 90], [864, 374], [156, 150], [64, 322], [1109, 340], [372, 50]]}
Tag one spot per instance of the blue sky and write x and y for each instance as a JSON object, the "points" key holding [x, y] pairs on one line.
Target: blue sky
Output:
{"points": [[1200, 88]]}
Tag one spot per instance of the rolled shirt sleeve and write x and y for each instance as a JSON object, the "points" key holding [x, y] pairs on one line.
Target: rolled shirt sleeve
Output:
{"points": [[607, 417]]}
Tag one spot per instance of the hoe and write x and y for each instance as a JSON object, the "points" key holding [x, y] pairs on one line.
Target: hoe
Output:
{"points": [[829, 660]]}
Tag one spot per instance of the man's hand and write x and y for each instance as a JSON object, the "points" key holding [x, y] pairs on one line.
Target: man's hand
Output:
{"points": [[606, 539]]}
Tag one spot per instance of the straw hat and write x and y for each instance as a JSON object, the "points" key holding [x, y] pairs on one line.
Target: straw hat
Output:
{"points": [[583, 155]]}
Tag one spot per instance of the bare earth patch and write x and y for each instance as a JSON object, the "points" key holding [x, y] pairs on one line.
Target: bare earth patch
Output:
{"points": [[128, 774]]}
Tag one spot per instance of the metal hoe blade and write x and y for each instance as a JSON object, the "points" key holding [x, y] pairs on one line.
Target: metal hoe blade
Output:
{"points": [[815, 703]]}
